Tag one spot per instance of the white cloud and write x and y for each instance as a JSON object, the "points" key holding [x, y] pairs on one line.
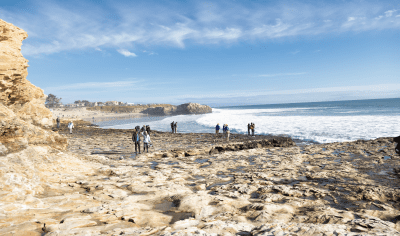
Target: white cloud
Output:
{"points": [[126, 53], [69, 26], [398, 16], [389, 13], [351, 18]]}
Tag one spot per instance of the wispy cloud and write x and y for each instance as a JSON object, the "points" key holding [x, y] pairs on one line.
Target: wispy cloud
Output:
{"points": [[282, 74], [68, 25], [98, 86], [379, 88], [126, 53]]}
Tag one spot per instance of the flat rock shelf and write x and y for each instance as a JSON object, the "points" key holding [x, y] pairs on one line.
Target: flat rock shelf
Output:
{"points": [[198, 184]]}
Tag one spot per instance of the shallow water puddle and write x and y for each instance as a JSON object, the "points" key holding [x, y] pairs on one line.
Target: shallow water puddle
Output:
{"points": [[153, 164], [201, 161], [219, 184], [238, 169], [198, 176]]}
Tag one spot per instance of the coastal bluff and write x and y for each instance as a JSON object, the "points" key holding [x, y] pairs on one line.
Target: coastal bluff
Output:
{"points": [[24, 118]]}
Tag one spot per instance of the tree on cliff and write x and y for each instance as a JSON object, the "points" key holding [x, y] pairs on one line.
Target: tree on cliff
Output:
{"points": [[52, 101]]}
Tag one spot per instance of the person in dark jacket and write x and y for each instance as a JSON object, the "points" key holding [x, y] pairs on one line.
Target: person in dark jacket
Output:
{"points": [[217, 129], [175, 127], [58, 122], [172, 126], [148, 129], [248, 129], [397, 148], [136, 140]]}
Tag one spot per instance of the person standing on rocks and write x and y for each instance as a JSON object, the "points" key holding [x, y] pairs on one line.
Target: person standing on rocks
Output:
{"points": [[217, 129], [58, 122], [252, 129], [146, 141], [148, 129], [70, 127], [175, 126], [227, 132], [224, 128], [248, 129], [136, 139], [397, 148], [172, 126]]}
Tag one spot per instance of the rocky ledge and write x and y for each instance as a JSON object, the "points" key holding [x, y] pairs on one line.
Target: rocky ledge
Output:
{"points": [[183, 109]]}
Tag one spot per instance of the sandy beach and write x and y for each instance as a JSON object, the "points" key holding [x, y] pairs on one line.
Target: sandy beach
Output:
{"points": [[81, 113]]}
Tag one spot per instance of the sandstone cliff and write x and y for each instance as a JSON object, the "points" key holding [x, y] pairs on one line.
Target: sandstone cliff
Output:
{"points": [[24, 118], [183, 109]]}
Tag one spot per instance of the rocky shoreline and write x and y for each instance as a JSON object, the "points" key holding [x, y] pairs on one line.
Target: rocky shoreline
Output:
{"points": [[184, 187]]}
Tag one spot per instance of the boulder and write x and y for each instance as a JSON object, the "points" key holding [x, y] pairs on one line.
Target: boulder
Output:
{"points": [[183, 109], [192, 108]]}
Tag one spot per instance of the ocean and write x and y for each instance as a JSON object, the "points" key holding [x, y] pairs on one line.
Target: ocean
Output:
{"points": [[318, 122]]}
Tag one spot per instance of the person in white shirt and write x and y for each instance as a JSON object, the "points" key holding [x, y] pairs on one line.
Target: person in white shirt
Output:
{"points": [[146, 141], [70, 127]]}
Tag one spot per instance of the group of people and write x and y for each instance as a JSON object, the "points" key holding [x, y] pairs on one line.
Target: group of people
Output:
{"points": [[145, 131], [225, 130], [250, 127], [70, 124], [174, 125]]}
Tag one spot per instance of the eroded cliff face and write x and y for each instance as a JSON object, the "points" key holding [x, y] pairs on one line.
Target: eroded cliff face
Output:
{"points": [[24, 118]]}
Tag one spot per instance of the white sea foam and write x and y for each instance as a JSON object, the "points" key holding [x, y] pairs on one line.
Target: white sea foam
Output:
{"points": [[323, 129]]}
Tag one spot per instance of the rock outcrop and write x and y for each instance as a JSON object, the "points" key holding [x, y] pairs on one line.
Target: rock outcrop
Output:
{"points": [[24, 118], [183, 109]]}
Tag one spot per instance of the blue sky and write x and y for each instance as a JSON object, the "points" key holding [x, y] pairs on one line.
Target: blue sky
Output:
{"points": [[211, 52]]}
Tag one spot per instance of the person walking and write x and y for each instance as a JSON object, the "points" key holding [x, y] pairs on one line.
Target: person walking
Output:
{"points": [[217, 129], [136, 140], [227, 132], [175, 126], [58, 122], [248, 129], [70, 127], [172, 126], [146, 141]]}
